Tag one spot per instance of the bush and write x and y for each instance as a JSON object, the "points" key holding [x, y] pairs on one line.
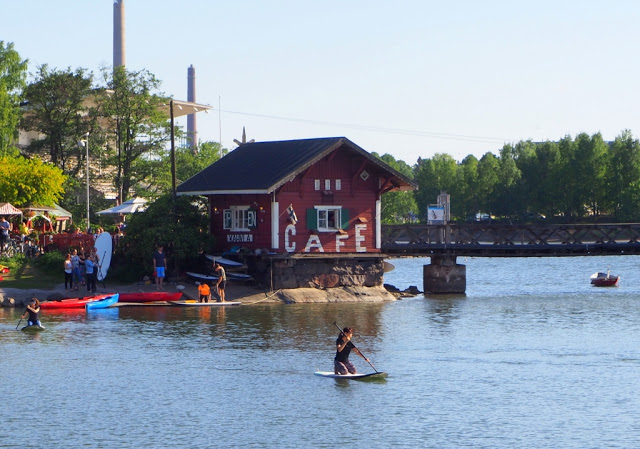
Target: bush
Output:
{"points": [[50, 262]]}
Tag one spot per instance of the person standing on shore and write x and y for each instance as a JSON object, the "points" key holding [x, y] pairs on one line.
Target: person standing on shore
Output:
{"points": [[75, 268], [222, 281], [159, 265], [68, 272], [5, 227], [90, 272]]}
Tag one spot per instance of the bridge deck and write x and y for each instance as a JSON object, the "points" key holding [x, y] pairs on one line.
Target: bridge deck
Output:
{"points": [[505, 240]]}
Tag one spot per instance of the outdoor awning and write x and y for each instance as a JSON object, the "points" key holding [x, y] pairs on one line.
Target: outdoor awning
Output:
{"points": [[9, 209], [128, 207], [181, 108]]}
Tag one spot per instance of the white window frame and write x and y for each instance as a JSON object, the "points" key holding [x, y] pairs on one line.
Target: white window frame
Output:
{"points": [[327, 184], [323, 216], [239, 219], [316, 184], [338, 184]]}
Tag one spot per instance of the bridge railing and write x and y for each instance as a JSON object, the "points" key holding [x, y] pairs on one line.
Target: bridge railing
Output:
{"points": [[511, 239]]}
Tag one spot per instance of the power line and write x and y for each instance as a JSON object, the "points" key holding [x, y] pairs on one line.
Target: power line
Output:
{"points": [[379, 129]]}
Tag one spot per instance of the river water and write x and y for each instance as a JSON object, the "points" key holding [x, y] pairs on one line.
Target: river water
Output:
{"points": [[531, 357]]}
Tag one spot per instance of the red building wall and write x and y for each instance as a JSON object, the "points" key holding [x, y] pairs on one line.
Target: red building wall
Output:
{"points": [[355, 194]]}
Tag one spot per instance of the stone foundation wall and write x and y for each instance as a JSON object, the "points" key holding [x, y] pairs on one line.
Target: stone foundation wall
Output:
{"points": [[322, 273]]}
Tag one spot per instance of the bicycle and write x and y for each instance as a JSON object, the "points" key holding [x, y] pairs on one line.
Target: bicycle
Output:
{"points": [[9, 250]]}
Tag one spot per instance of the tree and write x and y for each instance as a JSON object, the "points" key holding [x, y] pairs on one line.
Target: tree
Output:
{"points": [[623, 178], [468, 202], [133, 110], [29, 181], [13, 75], [488, 177], [180, 225], [189, 164], [57, 109], [434, 176], [397, 207]]}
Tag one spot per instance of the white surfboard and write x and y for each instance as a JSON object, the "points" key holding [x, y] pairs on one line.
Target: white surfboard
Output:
{"points": [[104, 248], [332, 375]]}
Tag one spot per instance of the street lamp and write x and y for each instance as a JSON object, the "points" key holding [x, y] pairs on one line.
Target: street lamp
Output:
{"points": [[85, 143]]}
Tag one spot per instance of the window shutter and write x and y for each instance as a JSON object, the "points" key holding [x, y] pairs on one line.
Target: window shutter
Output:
{"points": [[312, 218], [344, 214]]}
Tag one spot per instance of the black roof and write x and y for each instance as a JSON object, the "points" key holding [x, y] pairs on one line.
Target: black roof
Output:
{"points": [[262, 167]]}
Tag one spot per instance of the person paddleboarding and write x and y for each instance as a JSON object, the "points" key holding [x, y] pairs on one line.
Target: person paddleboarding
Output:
{"points": [[341, 363], [33, 309]]}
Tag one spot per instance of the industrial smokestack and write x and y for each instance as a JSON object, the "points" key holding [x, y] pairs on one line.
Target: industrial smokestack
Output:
{"points": [[118, 34], [192, 132]]}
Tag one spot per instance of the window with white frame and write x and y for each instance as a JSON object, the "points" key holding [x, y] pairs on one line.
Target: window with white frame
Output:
{"points": [[338, 184], [316, 184], [327, 184], [239, 218], [329, 218]]}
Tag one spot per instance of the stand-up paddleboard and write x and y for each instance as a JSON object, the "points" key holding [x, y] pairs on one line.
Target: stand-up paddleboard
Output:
{"points": [[104, 248], [34, 328], [332, 375], [205, 304]]}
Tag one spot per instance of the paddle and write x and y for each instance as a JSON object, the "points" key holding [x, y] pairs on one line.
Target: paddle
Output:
{"points": [[19, 323], [374, 368]]}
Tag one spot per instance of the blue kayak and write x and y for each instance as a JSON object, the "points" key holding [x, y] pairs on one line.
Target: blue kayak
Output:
{"points": [[103, 303]]}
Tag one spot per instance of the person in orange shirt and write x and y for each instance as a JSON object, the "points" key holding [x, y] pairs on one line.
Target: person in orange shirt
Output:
{"points": [[204, 291]]}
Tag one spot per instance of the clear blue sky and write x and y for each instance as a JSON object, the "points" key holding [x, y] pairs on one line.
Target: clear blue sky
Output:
{"points": [[410, 78]]}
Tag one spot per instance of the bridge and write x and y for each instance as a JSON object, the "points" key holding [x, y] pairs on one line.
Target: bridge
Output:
{"points": [[443, 243], [511, 240]]}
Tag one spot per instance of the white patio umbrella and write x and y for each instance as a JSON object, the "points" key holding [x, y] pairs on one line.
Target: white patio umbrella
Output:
{"points": [[128, 207]]}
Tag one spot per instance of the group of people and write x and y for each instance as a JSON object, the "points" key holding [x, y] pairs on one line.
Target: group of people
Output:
{"points": [[204, 291], [74, 275]]}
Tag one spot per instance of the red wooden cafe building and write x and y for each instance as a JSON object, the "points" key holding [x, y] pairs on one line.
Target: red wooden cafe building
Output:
{"points": [[309, 210]]}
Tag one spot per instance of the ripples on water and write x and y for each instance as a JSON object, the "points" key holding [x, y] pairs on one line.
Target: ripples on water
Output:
{"points": [[532, 356]]}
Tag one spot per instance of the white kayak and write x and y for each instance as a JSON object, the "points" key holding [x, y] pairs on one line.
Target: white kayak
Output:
{"points": [[332, 375], [224, 262], [205, 304], [211, 278]]}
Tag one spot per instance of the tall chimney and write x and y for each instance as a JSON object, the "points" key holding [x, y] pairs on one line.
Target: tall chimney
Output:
{"points": [[192, 132], [118, 34]]}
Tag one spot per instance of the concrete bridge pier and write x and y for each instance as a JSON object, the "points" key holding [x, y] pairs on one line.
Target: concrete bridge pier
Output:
{"points": [[444, 275]]}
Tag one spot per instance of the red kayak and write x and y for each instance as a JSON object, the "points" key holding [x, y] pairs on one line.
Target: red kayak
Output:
{"points": [[149, 296], [72, 303]]}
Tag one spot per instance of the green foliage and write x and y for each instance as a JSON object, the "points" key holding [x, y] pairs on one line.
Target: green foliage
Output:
{"points": [[51, 262], [189, 163], [57, 111], [134, 113], [180, 225], [29, 181], [13, 74]]}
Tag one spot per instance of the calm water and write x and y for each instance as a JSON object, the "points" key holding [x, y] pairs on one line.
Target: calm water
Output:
{"points": [[531, 357]]}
